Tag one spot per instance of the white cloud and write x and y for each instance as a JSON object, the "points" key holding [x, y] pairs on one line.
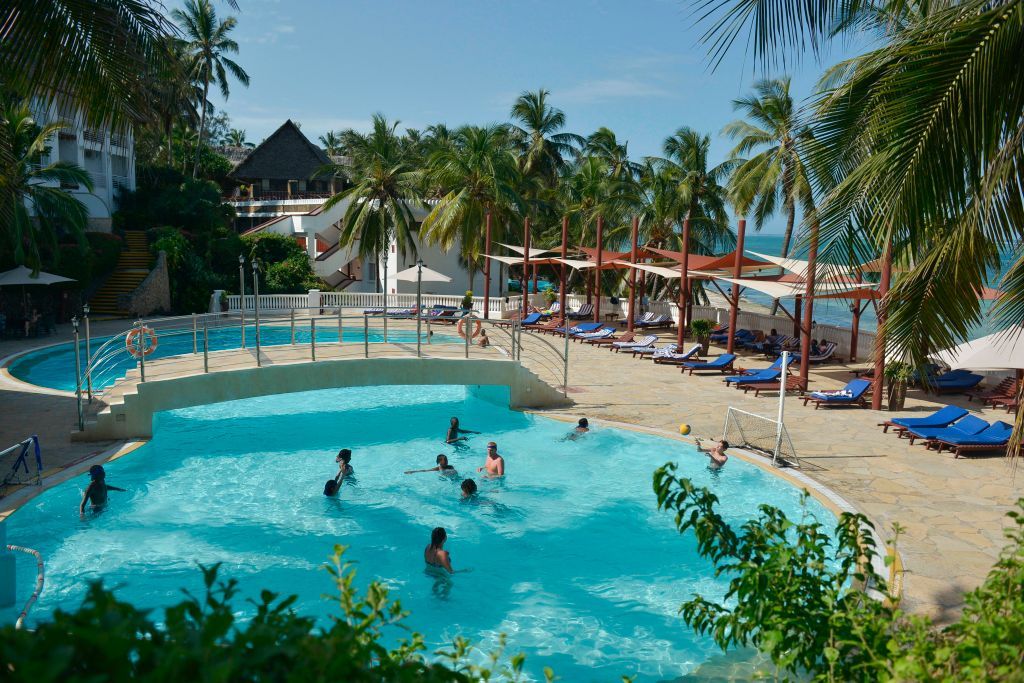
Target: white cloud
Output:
{"points": [[606, 89]]}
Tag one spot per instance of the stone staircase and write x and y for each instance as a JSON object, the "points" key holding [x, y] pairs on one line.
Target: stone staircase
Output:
{"points": [[133, 265]]}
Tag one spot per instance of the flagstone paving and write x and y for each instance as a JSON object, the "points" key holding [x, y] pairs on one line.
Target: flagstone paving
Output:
{"points": [[952, 510]]}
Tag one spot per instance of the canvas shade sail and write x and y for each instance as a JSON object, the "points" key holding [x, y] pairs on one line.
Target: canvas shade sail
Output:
{"points": [[788, 290], [1003, 350]]}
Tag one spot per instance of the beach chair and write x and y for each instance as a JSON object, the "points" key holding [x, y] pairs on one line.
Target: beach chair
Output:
{"points": [[759, 376], [635, 343], [1005, 389], [608, 341], [645, 317], [721, 336], [601, 333], [826, 354], [949, 384], [793, 383], [994, 437], [942, 417], [969, 425], [577, 329], [722, 364], [584, 311], [373, 311], [655, 321], [673, 358], [852, 394], [1011, 403], [652, 349], [555, 309]]}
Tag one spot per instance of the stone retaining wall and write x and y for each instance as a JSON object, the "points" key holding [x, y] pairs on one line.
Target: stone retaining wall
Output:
{"points": [[153, 295]]}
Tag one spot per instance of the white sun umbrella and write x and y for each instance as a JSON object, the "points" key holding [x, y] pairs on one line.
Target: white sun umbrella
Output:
{"points": [[23, 276], [1003, 350], [800, 267], [419, 274], [520, 250]]}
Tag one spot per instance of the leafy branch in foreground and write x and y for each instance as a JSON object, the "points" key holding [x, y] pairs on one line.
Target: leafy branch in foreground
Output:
{"points": [[798, 595], [201, 639]]}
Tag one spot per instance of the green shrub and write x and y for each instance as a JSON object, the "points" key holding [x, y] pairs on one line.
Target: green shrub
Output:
{"points": [[85, 266], [796, 596], [285, 265], [201, 639]]}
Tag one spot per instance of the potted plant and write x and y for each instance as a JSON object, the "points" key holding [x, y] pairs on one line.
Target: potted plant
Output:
{"points": [[467, 300], [224, 302], [897, 375], [550, 296], [701, 331]]}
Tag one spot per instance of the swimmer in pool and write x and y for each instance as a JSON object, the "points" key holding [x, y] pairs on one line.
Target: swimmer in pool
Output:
{"points": [[582, 427], [495, 464], [442, 466], [468, 488], [344, 460], [331, 487], [716, 452], [435, 555], [454, 430], [96, 493]]}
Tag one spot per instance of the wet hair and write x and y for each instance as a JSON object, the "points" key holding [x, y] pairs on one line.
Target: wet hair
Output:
{"points": [[725, 444], [454, 422], [583, 422], [345, 455], [96, 472], [438, 536], [331, 487], [440, 457], [468, 487]]}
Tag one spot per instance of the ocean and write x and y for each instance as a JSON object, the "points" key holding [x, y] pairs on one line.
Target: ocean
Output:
{"points": [[837, 311]]}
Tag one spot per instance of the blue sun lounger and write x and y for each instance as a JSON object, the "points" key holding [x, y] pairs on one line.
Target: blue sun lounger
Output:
{"points": [[764, 375], [969, 425], [937, 420], [579, 329], [948, 384], [531, 319], [993, 437], [852, 394], [723, 364]]}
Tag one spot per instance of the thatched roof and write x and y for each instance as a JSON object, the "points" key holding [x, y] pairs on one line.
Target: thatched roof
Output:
{"points": [[286, 155]]}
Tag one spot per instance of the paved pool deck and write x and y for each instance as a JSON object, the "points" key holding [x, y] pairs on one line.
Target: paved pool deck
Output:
{"points": [[953, 510]]}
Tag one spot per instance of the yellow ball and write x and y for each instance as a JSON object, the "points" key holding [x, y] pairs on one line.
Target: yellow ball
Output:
{"points": [[684, 429]]}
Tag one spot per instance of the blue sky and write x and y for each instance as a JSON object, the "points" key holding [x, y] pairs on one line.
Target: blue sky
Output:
{"points": [[635, 66]]}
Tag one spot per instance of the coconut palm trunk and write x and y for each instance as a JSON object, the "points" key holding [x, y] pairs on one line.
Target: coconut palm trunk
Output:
{"points": [[202, 124]]}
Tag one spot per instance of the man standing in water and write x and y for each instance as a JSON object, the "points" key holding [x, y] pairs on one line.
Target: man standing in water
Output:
{"points": [[96, 492], [716, 453], [454, 431], [495, 464]]}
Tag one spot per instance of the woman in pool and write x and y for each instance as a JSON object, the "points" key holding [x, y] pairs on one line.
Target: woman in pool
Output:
{"points": [[96, 492], [443, 467], [343, 459], [454, 430], [435, 555]]}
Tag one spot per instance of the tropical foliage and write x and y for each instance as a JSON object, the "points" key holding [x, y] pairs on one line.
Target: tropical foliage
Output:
{"points": [[796, 592], [206, 46], [35, 194], [202, 637], [917, 149]]}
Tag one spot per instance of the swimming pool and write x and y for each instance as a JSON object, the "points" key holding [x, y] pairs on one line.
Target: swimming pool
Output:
{"points": [[54, 367], [568, 556]]}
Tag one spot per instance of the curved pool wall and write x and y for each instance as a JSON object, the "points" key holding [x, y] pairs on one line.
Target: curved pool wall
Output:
{"points": [[132, 418], [568, 555], [53, 367]]}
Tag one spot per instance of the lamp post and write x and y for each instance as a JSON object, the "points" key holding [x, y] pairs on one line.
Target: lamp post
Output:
{"points": [[241, 288], [256, 305], [419, 297], [88, 353]]}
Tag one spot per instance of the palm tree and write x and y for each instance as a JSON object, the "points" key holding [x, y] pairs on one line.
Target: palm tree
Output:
{"points": [[28, 184], [543, 149], [207, 44], [702, 190], [603, 144], [480, 173], [332, 144], [236, 138], [383, 193], [172, 93], [777, 177], [919, 148]]}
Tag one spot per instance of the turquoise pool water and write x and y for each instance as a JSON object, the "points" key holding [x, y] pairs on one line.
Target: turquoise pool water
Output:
{"points": [[54, 367], [568, 555]]}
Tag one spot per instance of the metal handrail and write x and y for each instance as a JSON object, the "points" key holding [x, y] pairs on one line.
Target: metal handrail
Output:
{"points": [[40, 580], [105, 359]]}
